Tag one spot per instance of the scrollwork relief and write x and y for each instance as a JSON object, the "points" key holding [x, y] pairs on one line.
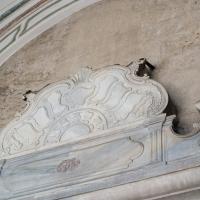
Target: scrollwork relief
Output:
{"points": [[90, 100]]}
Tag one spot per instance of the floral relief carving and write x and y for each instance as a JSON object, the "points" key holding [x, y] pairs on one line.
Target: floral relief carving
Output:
{"points": [[68, 165]]}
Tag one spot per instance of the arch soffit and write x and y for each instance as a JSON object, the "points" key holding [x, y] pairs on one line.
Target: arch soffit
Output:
{"points": [[26, 20]]}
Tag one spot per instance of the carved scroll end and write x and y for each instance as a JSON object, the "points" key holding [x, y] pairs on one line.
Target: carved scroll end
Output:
{"points": [[141, 68]]}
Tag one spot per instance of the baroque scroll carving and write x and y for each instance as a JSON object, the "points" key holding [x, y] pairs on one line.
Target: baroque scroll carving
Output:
{"points": [[89, 101]]}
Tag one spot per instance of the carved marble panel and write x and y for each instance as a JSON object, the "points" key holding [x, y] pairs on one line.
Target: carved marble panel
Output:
{"points": [[86, 103], [134, 152], [115, 152]]}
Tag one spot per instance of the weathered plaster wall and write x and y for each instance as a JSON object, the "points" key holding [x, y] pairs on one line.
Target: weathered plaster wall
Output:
{"points": [[167, 32]]}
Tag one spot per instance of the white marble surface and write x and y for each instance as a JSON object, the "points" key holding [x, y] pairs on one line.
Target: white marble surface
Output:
{"points": [[89, 101], [182, 185], [97, 135]]}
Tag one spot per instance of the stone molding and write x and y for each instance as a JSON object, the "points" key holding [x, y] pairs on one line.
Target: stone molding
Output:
{"points": [[151, 189]]}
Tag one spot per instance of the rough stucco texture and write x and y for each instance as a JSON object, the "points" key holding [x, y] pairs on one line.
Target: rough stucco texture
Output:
{"points": [[166, 32]]}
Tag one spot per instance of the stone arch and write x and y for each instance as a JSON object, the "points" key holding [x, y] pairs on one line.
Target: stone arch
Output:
{"points": [[32, 20]]}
